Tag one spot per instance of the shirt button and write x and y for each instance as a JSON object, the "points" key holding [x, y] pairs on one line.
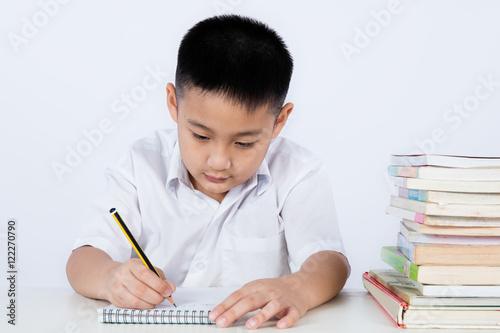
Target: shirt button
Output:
{"points": [[201, 266]]}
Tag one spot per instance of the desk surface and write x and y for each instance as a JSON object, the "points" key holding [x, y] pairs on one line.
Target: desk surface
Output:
{"points": [[62, 310]]}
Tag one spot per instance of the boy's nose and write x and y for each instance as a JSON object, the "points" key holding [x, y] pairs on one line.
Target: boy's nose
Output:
{"points": [[219, 159]]}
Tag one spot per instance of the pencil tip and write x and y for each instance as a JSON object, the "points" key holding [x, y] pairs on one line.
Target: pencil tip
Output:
{"points": [[175, 305]]}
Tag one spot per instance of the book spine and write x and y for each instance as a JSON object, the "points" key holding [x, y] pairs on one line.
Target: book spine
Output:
{"points": [[398, 171], [397, 260], [382, 295], [420, 195], [406, 214], [407, 248]]}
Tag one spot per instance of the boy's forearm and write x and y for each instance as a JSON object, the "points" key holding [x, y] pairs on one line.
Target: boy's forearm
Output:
{"points": [[321, 277], [88, 269]]}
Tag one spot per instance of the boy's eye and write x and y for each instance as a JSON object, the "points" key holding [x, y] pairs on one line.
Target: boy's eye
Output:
{"points": [[245, 144], [200, 137]]}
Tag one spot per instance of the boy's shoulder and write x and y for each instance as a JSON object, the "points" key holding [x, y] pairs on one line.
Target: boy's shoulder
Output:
{"points": [[289, 161], [152, 152], [161, 141], [284, 149]]}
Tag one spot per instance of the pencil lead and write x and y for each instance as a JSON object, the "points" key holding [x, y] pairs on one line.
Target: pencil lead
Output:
{"points": [[175, 305]]}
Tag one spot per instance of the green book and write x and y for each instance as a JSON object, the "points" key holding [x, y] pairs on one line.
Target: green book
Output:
{"points": [[392, 256]]}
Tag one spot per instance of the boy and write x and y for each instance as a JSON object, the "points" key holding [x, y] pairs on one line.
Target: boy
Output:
{"points": [[221, 201]]}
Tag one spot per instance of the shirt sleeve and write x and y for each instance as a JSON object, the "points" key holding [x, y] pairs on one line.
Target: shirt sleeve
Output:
{"points": [[309, 216], [99, 229]]}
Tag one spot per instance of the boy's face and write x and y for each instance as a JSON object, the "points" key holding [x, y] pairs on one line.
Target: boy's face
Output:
{"points": [[221, 145]]}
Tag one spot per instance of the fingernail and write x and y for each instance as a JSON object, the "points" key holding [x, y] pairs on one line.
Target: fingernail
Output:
{"points": [[252, 323], [283, 324], [167, 292], [221, 322], [213, 315]]}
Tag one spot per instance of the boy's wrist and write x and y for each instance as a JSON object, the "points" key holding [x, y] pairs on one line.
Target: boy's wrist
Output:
{"points": [[297, 283], [105, 291]]}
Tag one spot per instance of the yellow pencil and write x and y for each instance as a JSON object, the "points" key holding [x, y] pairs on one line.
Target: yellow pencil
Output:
{"points": [[136, 246]]}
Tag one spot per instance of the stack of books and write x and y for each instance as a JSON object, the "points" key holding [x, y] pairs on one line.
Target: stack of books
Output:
{"points": [[446, 265]]}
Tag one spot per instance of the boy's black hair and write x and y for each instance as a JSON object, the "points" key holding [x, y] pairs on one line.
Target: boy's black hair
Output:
{"points": [[238, 58]]}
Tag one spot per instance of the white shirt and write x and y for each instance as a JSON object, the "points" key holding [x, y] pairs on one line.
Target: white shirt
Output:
{"points": [[265, 227]]}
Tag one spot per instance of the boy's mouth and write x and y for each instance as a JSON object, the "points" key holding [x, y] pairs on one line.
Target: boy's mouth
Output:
{"points": [[215, 179]]}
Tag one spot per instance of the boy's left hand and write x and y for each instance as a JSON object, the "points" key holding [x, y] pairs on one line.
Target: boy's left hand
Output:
{"points": [[277, 297]]}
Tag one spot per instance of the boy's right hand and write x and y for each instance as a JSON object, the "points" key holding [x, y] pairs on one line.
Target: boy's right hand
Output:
{"points": [[133, 285]]}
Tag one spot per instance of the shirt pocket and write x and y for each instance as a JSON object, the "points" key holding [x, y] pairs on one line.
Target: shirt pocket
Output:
{"points": [[245, 259]]}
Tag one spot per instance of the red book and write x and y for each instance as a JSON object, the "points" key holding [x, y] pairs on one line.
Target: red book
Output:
{"points": [[413, 316]]}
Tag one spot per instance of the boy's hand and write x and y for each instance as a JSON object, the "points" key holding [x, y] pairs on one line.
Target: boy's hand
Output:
{"points": [[133, 285], [278, 297]]}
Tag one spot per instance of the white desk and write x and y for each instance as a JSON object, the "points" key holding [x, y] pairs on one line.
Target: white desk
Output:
{"points": [[63, 310]]}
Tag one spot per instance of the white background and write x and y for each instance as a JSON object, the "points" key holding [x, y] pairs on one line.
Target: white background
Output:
{"points": [[71, 72]]}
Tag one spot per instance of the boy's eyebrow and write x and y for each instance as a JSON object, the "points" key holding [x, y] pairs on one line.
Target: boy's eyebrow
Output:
{"points": [[197, 124], [244, 133]]}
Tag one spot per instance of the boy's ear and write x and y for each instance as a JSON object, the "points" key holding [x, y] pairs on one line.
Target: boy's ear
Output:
{"points": [[282, 118], [172, 101]]}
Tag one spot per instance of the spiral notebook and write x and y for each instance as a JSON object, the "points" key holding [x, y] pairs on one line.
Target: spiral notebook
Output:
{"points": [[193, 307]]}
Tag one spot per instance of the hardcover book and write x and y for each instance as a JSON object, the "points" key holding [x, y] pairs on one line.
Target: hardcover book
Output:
{"points": [[412, 316]]}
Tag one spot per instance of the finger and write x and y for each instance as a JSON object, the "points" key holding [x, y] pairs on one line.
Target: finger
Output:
{"points": [[281, 314], [170, 284], [141, 282], [290, 319], [148, 277], [226, 304], [131, 301], [273, 307], [247, 304], [126, 300], [162, 275]]}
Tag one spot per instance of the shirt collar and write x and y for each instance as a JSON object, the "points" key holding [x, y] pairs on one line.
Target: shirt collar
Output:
{"points": [[263, 178], [177, 173]]}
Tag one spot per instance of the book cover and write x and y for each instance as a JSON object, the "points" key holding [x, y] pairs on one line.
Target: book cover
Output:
{"points": [[450, 161], [430, 208], [444, 254], [417, 237], [412, 316], [452, 230], [406, 289], [449, 197], [447, 185], [440, 274], [444, 173], [435, 220]]}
